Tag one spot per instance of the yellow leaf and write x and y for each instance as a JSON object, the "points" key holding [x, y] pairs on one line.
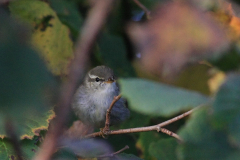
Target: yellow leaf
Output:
{"points": [[216, 81], [49, 35]]}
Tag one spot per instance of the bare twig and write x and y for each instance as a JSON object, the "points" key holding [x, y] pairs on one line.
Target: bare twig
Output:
{"points": [[113, 154], [107, 123], [93, 24], [13, 138], [143, 129], [170, 133], [143, 8]]}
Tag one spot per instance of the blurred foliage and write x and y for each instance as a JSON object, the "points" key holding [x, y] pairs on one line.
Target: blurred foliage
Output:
{"points": [[199, 137], [49, 35], [221, 139], [164, 149], [172, 99], [188, 49], [227, 108], [29, 123], [68, 14], [113, 53], [124, 156], [176, 35], [26, 88], [194, 78], [135, 120], [7, 152], [217, 79], [26, 84], [229, 61], [144, 141]]}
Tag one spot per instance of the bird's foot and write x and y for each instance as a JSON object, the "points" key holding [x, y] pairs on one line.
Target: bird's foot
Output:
{"points": [[104, 132]]}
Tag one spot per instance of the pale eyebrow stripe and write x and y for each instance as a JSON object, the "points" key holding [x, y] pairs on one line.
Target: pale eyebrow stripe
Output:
{"points": [[94, 76]]}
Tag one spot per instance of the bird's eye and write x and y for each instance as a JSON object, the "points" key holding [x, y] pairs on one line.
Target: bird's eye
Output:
{"points": [[97, 79]]}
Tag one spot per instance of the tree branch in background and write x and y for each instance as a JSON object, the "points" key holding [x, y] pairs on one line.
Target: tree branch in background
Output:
{"points": [[93, 24], [148, 12]]}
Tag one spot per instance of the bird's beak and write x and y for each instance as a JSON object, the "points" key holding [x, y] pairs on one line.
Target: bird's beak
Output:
{"points": [[110, 80]]}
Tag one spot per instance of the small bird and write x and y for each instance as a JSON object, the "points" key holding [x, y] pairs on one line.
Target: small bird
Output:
{"points": [[94, 96]]}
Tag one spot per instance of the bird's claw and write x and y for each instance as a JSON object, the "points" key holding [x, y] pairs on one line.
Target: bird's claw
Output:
{"points": [[104, 132]]}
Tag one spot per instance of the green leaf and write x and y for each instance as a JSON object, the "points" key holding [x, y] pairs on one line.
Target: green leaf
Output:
{"points": [[229, 61], [26, 83], [154, 98], [6, 150], [68, 14], [117, 18], [49, 35], [226, 107], [113, 53], [227, 102], [119, 141], [234, 131], [144, 141], [194, 77], [164, 149], [124, 156], [28, 149], [32, 124], [136, 120], [201, 141], [27, 124]]}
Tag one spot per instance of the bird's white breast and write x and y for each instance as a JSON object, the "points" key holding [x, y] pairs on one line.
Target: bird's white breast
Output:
{"points": [[102, 98]]}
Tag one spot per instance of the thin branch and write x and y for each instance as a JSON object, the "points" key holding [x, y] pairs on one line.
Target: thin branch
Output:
{"points": [[148, 12], [113, 154], [93, 24], [170, 133], [107, 123], [143, 129]]}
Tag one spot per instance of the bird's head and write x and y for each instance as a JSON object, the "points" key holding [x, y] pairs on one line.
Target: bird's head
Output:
{"points": [[100, 78]]}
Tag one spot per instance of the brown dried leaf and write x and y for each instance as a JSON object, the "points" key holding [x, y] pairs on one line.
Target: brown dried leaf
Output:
{"points": [[234, 22], [226, 16], [177, 34]]}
